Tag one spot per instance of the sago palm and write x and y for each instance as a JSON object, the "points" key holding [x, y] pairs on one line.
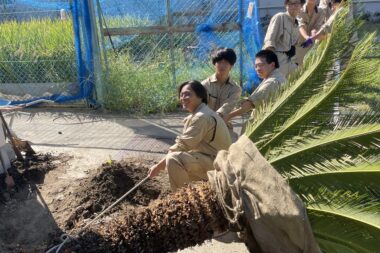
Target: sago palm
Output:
{"points": [[331, 159]]}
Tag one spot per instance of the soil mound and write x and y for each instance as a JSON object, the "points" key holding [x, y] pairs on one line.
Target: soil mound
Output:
{"points": [[106, 185]]}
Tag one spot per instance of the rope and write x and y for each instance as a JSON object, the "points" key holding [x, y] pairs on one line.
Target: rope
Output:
{"points": [[65, 238]]}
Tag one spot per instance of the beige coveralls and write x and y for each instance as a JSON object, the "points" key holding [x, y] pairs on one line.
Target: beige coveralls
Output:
{"points": [[313, 22], [267, 88], [264, 91], [193, 153], [222, 98], [282, 33]]}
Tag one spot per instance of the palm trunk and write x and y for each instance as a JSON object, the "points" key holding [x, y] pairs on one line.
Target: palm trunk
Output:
{"points": [[182, 219]]}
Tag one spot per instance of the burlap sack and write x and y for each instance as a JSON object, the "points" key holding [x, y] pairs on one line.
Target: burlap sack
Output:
{"points": [[258, 201]]}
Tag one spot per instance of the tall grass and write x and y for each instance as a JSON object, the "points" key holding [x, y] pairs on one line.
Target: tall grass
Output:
{"points": [[140, 77], [37, 51], [148, 86]]}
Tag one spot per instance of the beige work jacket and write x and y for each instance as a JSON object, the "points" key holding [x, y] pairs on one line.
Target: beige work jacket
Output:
{"points": [[201, 134], [282, 32], [267, 87], [222, 98], [315, 21]]}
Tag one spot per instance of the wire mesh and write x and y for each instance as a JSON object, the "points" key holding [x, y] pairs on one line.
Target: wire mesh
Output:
{"points": [[37, 55], [168, 42]]}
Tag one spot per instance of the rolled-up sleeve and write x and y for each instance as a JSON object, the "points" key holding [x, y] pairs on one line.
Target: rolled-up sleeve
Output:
{"points": [[192, 136], [264, 91]]}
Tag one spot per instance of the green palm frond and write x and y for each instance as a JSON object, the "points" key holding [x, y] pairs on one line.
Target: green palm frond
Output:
{"points": [[303, 84], [334, 167], [332, 144], [322, 102], [362, 179], [346, 221], [332, 163]]}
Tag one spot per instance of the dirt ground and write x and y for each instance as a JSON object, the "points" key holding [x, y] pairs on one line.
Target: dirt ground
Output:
{"points": [[28, 226], [62, 189]]}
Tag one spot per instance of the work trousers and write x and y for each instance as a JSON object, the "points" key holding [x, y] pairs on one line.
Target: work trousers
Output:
{"points": [[286, 65], [185, 167]]}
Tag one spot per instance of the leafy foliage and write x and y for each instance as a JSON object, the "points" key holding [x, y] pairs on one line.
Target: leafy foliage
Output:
{"points": [[314, 135]]}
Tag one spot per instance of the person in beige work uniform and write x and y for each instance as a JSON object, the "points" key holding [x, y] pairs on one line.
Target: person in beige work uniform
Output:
{"points": [[204, 134], [310, 20], [266, 65], [282, 36], [337, 6], [223, 92]]}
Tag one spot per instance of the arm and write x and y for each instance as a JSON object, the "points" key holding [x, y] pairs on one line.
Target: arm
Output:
{"points": [[303, 32], [246, 106], [230, 102], [302, 24], [264, 92], [192, 136], [325, 29], [275, 30]]}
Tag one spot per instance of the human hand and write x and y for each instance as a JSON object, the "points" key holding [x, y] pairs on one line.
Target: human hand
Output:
{"points": [[307, 42], [154, 171], [226, 118]]}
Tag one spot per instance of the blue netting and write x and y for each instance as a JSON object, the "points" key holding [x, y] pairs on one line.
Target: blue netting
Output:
{"points": [[43, 5], [207, 15], [197, 46], [83, 42]]}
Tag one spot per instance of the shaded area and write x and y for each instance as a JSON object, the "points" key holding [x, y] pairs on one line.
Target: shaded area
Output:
{"points": [[26, 222]]}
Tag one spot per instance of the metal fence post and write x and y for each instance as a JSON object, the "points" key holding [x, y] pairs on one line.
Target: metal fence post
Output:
{"points": [[240, 9], [171, 40], [96, 55]]}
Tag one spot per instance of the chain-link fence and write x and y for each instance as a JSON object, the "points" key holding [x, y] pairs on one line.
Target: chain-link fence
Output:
{"points": [[152, 46], [37, 53]]}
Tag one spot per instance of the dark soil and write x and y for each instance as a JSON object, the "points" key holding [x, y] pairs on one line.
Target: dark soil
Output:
{"points": [[109, 183], [28, 172]]}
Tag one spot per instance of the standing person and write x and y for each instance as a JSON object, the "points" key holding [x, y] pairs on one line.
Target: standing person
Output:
{"points": [[223, 92], [204, 134], [282, 36], [310, 20], [267, 68]]}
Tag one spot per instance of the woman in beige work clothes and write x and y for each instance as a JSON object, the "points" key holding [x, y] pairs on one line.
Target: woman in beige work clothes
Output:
{"points": [[204, 134], [310, 20]]}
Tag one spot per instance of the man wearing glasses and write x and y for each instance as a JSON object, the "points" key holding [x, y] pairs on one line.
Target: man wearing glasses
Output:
{"points": [[282, 35]]}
